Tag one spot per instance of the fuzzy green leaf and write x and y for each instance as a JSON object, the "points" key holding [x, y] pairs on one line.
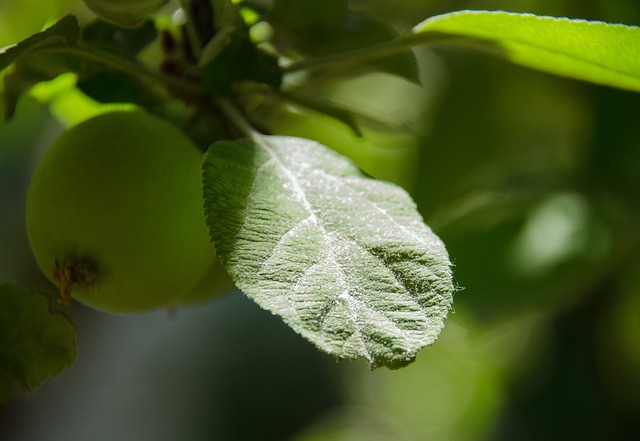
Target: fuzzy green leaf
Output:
{"points": [[35, 343], [597, 52], [345, 260]]}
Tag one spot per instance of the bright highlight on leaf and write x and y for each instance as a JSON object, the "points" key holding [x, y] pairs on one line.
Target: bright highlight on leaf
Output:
{"points": [[345, 260], [598, 52]]}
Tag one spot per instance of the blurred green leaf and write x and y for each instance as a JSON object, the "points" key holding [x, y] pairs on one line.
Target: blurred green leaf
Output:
{"points": [[598, 52], [33, 69], [53, 52], [127, 42], [345, 260], [240, 61], [66, 30], [128, 14], [339, 114], [35, 343], [108, 86], [322, 28], [67, 103], [33, 65]]}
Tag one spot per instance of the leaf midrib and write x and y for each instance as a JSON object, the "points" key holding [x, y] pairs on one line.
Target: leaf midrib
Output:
{"points": [[316, 220]]}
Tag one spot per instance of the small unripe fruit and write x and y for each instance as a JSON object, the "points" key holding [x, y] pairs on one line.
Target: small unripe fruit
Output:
{"points": [[115, 215], [125, 13], [214, 283]]}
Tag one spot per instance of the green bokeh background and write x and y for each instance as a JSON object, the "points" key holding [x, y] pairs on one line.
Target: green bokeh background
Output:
{"points": [[532, 181]]}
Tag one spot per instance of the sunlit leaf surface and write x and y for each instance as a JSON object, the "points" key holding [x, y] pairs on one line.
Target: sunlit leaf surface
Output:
{"points": [[593, 51], [345, 260]]}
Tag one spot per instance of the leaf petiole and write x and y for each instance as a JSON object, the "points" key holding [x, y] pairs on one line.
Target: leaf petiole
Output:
{"points": [[239, 120], [369, 53]]}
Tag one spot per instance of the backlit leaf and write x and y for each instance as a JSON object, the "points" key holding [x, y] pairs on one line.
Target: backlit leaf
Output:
{"points": [[598, 52]]}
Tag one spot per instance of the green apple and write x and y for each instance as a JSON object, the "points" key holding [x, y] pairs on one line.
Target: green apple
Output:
{"points": [[125, 13], [115, 215], [214, 283]]}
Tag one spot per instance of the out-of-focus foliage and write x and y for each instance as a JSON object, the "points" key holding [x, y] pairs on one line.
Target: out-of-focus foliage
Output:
{"points": [[533, 183], [19, 19], [34, 343]]}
